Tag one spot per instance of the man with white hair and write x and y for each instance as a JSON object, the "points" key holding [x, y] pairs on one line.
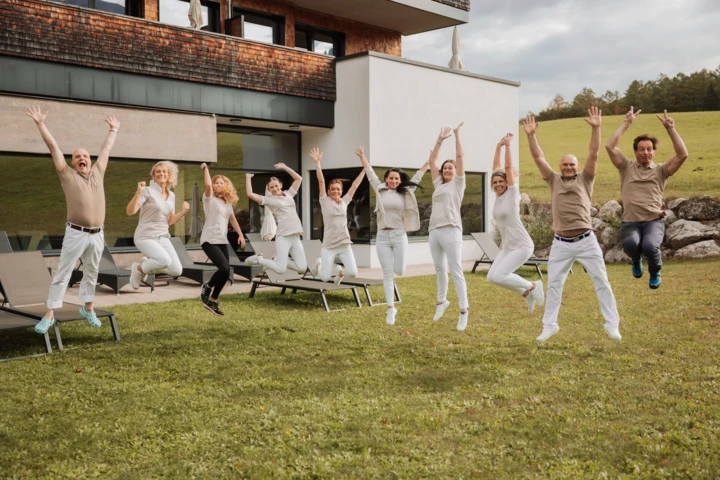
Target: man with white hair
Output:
{"points": [[571, 193], [84, 238]]}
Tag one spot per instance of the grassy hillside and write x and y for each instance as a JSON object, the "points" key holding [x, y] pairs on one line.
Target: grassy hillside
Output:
{"points": [[699, 175]]}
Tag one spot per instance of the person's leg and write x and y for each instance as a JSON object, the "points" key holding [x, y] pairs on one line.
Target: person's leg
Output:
{"points": [[174, 267], [218, 255], [502, 273], [327, 256], [347, 258], [157, 260], [452, 244], [399, 244], [561, 259], [385, 256], [439, 259], [91, 266], [73, 246], [653, 234], [282, 249], [631, 238], [297, 260]]}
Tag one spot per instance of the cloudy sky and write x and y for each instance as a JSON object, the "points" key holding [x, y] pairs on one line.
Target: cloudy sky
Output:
{"points": [[560, 46]]}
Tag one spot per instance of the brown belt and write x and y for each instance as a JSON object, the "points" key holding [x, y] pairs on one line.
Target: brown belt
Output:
{"points": [[84, 229]]}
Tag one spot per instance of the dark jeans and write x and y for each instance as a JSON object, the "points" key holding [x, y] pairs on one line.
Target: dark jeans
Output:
{"points": [[644, 239], [220, 257]]}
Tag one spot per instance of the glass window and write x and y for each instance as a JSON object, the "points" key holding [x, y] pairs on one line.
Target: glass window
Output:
{"points": [[301, 40], [257, 26], [358, 212], [78, 3], [113, 6], [324, 44], [319, 41], [175, 12]]}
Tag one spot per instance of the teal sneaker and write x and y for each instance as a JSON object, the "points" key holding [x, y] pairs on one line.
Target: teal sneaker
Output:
{"points": [[44, 325], [655, 280], [637, 268], [91, 318]]}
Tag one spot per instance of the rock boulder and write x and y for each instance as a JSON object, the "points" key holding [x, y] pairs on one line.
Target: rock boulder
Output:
{"points": [[707, 248], [616, 255], [699, 208], [610, 210], [685, 232], [673, 204]]}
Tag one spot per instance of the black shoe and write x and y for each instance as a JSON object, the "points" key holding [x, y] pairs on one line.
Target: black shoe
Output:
{"points": [[213, 307], [205, 292]]}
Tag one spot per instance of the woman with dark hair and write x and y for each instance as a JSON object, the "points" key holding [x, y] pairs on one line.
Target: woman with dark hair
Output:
{"points": [[289, 252], [397, 213], [517, 246], [446, 226], [336, 236]]}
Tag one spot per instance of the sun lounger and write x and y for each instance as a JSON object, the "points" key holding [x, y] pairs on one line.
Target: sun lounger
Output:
{"points": [[13, 321], [110, 275], [491, 251], [199, 272]]}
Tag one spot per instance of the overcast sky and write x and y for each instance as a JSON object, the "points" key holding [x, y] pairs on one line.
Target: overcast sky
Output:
{"points": [[555, 46]]}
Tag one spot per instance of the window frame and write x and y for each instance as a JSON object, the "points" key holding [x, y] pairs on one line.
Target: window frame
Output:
{"points": [[213, 14], [277, 20], [339, 38], [133, 8]]}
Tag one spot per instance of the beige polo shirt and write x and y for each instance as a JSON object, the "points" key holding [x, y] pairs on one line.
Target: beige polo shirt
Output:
{"points": [[283, 208], [335, 225], [571, 201], [446, 202], [84, 196], [642, 190], [155, 211]]}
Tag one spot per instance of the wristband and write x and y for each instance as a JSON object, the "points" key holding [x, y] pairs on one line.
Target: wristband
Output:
{"points": [[113, 130]]}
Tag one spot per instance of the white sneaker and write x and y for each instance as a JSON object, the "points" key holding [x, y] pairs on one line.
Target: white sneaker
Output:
{"points": [[135, 276], [462, 321], [612, 332], [538, 294], [547, 333], [316, 268], [390, 318], [338, 276], [253, 260], [145, 275], [440, 310], [530, 300]]}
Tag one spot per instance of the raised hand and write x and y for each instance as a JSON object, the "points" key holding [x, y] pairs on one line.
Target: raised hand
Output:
{"points": [[141, 186], [595, 117], [249, 175], [36, 114], [530, 125], [667, 121], [505, 141], [632, 115], [186, 206], [445, 133], [456, 130], [203, 167], [360, 151], [113, 122], [316, 155], [280, 166]]}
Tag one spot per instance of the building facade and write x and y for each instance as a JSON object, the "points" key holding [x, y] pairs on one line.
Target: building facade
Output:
{"points": [[261, 82]]}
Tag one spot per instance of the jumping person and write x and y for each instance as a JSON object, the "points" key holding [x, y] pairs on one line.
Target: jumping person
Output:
{"points": [[218, 200], [642, 185], [336, 237], [571, 194], [156, 204], [446, 226], [397, 213], [517, 246], [289, 252], [84, 238]]}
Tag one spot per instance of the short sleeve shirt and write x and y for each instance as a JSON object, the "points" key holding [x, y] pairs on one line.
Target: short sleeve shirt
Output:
{"points": [[506, 213], [571, 201], [642, 190], [84, 196], [446, 201], [335, 229], [283, 208], [154, 212], [217, 215]]}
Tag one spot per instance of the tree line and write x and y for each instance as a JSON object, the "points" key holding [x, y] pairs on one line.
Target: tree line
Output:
{"points": [[699, 91]]}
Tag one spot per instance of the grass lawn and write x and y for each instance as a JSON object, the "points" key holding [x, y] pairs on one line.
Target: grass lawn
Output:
{"points": [[700, 175], [278, 388]]}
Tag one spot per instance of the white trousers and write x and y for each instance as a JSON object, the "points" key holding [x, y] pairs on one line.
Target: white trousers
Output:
{"points": [[161, 256], [502, 270], [287, 247], [586, 251], [347, 258], [391, 247], [76, 246], [446, 251]]}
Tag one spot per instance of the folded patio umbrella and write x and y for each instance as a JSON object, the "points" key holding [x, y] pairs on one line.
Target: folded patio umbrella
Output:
{"points": [[455, 61], [195, 14], [196, 224]]}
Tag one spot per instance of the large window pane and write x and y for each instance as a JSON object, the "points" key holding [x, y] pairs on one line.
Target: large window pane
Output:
{"points": [[113, 6], [79, 3], [175, 12]]}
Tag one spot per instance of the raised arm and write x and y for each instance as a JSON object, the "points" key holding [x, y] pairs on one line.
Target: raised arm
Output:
{"points": [[616, 155], [434, 170], [316, 155], [355, 184], [459, 154], [498, 151], [297, 179], [36, 114], [208, 180], [372, 176], [509, 171], [681, 153], [104, 155], [173, 218], [134, 205], [594, 120], [531, 126], [248, 189]]}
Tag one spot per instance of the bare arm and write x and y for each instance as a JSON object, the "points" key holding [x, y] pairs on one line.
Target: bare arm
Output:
{"points": [[530, 128], [208, 180], [248, 189], [36, 114], [459, 154], [297, 179], [355, 184], [104, 155], [372, 177], [509, 171], [435, 153], [595, 120], [616, 155], [236, 227], [134, 205], [316, 155], [173, 218], [681, 153]]}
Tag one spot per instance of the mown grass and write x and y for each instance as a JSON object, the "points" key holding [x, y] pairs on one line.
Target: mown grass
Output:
{"points": [[278, 388], [700, 175]]}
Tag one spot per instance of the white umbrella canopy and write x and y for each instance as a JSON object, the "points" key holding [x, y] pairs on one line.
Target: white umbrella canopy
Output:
{"points": [[195, 14], [455, 61]]}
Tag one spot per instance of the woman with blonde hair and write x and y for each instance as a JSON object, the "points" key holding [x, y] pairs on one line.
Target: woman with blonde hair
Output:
{"points": [[156, 204], [218, 200]]}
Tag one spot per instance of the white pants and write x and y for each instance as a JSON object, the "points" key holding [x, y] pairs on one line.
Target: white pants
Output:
{"points": [[347, 258], [77, 245], [391, 247], [446, 251], [502, 270], [161, 256], [588, 253], [285, 247]]}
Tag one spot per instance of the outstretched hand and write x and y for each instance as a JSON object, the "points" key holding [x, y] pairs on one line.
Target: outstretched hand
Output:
{"points": [[280, 166], [113, 122], [445, 133], [595, 117], [203, 167], [141, 186], [505, 141], [667, 121], [316, 155], [36, 114], [360, 151], [631, 115], [530, 125], [456, 130], [249, 175]]}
